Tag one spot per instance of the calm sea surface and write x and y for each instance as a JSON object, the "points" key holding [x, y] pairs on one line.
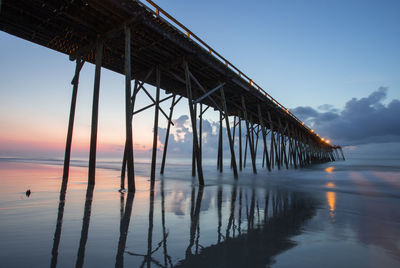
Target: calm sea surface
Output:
{"points": [[340, 214]]}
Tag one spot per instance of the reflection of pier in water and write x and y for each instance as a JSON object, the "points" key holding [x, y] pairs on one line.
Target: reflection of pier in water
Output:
{"points": [[259, 224]]}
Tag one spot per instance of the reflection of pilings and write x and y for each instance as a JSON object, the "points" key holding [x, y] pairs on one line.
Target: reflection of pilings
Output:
{"points": [[123, 230], [271, 236], [219, 208], [85, 226], [57, 233], [240, 213], [150, 230], [194, 221], [232, 211], [167, 258]]}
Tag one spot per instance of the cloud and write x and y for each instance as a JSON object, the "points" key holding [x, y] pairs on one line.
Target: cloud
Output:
{"points": [[362, 121], [181, 137]]}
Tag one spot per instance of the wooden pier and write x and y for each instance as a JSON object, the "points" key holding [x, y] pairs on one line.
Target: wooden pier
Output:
{"points": [[148, 46]]}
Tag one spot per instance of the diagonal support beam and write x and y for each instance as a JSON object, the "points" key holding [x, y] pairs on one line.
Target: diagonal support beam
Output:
{"points": [[264, 136], [193, 119], [228, 130], [208, 93], [203, 89], [155, 102], [248, 136]]}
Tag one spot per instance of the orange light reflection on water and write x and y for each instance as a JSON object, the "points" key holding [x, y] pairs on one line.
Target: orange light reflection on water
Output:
{"points": [[329, 169], [331, 199]]}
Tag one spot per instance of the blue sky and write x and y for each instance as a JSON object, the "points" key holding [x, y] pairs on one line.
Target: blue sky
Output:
{"points": [[304, 53]]}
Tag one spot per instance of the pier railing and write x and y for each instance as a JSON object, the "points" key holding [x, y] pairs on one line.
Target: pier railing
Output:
{"points": [[162, 14]]}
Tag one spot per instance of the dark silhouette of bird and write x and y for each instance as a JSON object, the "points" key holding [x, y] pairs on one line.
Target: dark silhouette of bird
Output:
{"points": [[28, 192]]}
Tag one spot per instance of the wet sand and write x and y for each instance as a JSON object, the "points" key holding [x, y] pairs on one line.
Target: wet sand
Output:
{"points": [[337, 214]]}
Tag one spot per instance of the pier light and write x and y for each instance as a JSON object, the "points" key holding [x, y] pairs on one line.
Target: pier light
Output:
{"points": [[328, 141], [302, 123], [322, 139], [287, 110], [312, 130]]}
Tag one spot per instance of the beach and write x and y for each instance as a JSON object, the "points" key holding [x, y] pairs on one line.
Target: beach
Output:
{"points": [[343, 213]]}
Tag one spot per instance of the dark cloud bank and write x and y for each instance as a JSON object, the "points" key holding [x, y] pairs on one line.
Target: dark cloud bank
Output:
{"points": [[362, 121]]}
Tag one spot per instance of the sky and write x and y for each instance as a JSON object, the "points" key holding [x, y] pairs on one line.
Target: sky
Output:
{"points": [[335, 64]]}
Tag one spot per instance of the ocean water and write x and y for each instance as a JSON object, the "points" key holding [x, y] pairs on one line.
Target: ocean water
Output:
{"points": [[344, 213]]}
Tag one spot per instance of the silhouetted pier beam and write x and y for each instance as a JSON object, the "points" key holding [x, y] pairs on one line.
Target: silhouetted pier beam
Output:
{"points": [[67, 157], [171, 110], [201, 132], [123, 170], [220, 145], [292, 147], [274, 148], [245, 150], [193, 119], [283, 144], [341, 151], [264, 136], [240, 142], [155, 128], [128, 112], [228, 130], [95, 113], [248, 135], [233, 135], [193, 149]]}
